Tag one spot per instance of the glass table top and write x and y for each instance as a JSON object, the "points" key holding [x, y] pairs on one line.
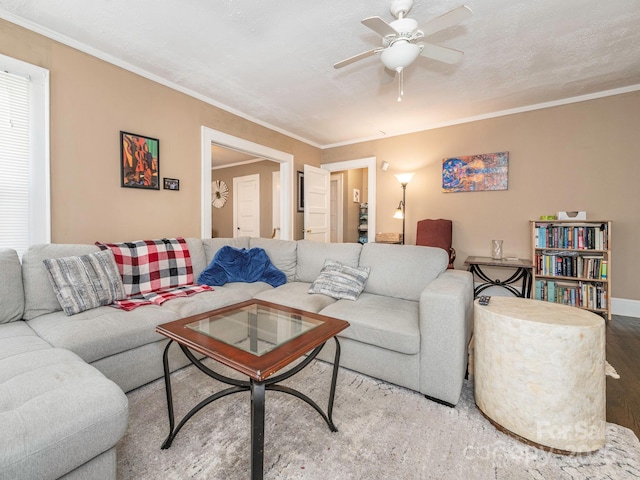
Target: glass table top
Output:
{"points": [[256, 329]]}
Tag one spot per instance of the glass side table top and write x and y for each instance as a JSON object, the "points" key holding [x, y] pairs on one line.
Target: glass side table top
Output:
{"points": [[256, 329]]}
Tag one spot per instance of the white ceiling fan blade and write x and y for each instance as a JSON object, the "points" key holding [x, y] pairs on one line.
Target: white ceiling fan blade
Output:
{"points": [[443, 54], [355, 58], [388, 76], [379, 26], [446, 20]]}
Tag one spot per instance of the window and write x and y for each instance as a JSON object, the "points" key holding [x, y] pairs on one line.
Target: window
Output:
{"points": [[24, 155]]}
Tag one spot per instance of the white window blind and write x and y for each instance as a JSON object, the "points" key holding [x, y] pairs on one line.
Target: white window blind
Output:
{"points": [[25, 207], [14, 161]]}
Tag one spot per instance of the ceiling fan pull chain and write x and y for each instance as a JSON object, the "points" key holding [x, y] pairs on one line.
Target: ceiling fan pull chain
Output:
{"points": [[400, 83]]}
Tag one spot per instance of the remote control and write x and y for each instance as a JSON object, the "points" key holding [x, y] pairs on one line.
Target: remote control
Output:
{"points": [[484, 300]]}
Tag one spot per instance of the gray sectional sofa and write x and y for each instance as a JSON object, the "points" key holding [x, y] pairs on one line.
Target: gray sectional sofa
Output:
{"points": [[62, 378]]}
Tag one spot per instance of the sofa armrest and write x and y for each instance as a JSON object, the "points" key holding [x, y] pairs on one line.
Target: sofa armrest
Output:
{"points": [[446, 325]]}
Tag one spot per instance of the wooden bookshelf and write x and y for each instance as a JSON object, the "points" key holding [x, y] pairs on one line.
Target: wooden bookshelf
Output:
{"points": [[572, 263]]}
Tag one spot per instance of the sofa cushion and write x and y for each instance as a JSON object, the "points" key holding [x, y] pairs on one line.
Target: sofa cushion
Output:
{"points": [[295, 295], [206, 301], [198, 257], [212, 245], [340, 281], [283, 254], [152, 265], [386, 322], [251, 289], [39, 297], [11, 290], [85, 282], [56, 412], [312, 255], [402, 271], [16, 338], [103, 331]]}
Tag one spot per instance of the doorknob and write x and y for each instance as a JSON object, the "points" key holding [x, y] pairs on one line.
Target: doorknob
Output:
{"points": [[309, 231]]}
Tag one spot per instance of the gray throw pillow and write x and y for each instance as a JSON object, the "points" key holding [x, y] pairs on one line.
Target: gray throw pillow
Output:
{"points": [[340, 281], [85, 282]]}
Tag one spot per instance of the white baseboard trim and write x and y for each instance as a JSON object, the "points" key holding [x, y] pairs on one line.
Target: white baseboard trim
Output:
{"points": [[625, 307]]}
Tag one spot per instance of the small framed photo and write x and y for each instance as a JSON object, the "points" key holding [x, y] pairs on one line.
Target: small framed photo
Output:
{"points": [[171, 183], [139, 161]]}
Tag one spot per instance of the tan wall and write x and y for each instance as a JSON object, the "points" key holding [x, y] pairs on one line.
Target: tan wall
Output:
{"points": [[222, 218], [582, 156], [576, 157], [91, 101]]}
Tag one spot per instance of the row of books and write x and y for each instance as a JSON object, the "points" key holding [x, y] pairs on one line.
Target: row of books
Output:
{"points": [[588, 295], [571, 264], [571, 237]]}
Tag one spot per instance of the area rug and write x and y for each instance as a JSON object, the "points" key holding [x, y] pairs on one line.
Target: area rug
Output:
{"points": [[385, 432]]}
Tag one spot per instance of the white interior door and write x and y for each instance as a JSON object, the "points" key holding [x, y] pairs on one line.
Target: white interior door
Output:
{"points": [[336, 208], [275, 204], [316, 204], [246, 206]]}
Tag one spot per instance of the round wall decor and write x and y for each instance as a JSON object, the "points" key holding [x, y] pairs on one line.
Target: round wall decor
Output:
{"points": [[219, 193]]}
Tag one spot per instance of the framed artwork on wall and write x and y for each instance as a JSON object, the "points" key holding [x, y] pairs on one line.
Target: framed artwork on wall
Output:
{"points": [[300, 191], [139, 161], [476, 173], [171, 183]]}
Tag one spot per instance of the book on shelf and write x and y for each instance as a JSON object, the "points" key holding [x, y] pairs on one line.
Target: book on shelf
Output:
{"points": [[570, 264], [579, 237], [576, 294]]}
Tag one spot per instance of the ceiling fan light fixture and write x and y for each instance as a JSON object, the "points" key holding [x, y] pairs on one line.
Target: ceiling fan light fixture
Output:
{"points": [[400, 55]]}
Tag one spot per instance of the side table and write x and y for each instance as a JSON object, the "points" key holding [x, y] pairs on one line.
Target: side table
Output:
{"points": [[539, 372], [522, 272]]}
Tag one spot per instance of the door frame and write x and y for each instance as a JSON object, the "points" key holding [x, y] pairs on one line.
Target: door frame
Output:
{"points": [[210, 136], [338, 178], [275, 205], [370, 164]]}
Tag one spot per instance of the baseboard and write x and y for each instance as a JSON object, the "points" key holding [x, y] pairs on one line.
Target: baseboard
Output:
{"points": [[625, 307]]}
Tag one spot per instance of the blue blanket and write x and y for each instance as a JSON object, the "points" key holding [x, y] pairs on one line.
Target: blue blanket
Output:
{"points": [[241, 265]]}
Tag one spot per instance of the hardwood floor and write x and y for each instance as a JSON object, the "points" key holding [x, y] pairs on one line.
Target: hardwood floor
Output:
{"points": [[623, 353]]}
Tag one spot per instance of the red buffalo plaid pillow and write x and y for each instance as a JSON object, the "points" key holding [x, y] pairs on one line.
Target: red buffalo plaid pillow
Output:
{"points": [[152, 265]]}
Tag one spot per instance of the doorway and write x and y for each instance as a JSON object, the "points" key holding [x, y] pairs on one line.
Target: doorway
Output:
{"points": [[286, 161], [370, 164]]}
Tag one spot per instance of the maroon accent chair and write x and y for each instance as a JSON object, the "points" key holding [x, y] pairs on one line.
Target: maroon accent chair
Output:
{"points": [[436, 233]]}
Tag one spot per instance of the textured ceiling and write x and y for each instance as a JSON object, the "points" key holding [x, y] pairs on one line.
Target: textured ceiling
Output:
{"points": [[273, 61]]}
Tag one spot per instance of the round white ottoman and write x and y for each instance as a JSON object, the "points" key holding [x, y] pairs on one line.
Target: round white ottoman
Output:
{"points": [[539, 372]]}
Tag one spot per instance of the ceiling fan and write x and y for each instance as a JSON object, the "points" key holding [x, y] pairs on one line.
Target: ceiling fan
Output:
{"points": [[402, 40]]}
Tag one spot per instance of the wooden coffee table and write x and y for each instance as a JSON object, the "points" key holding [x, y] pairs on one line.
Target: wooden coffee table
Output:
{"points": [[257, 339]]}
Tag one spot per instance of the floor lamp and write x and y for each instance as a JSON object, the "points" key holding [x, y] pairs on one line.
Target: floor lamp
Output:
{"points": [[404, 179]]}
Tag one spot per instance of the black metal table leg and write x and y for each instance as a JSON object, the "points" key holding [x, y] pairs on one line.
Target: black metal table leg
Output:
{"points": [[167, 385], [334, 378], [257, 430], [257, 390], [527, 283]]}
